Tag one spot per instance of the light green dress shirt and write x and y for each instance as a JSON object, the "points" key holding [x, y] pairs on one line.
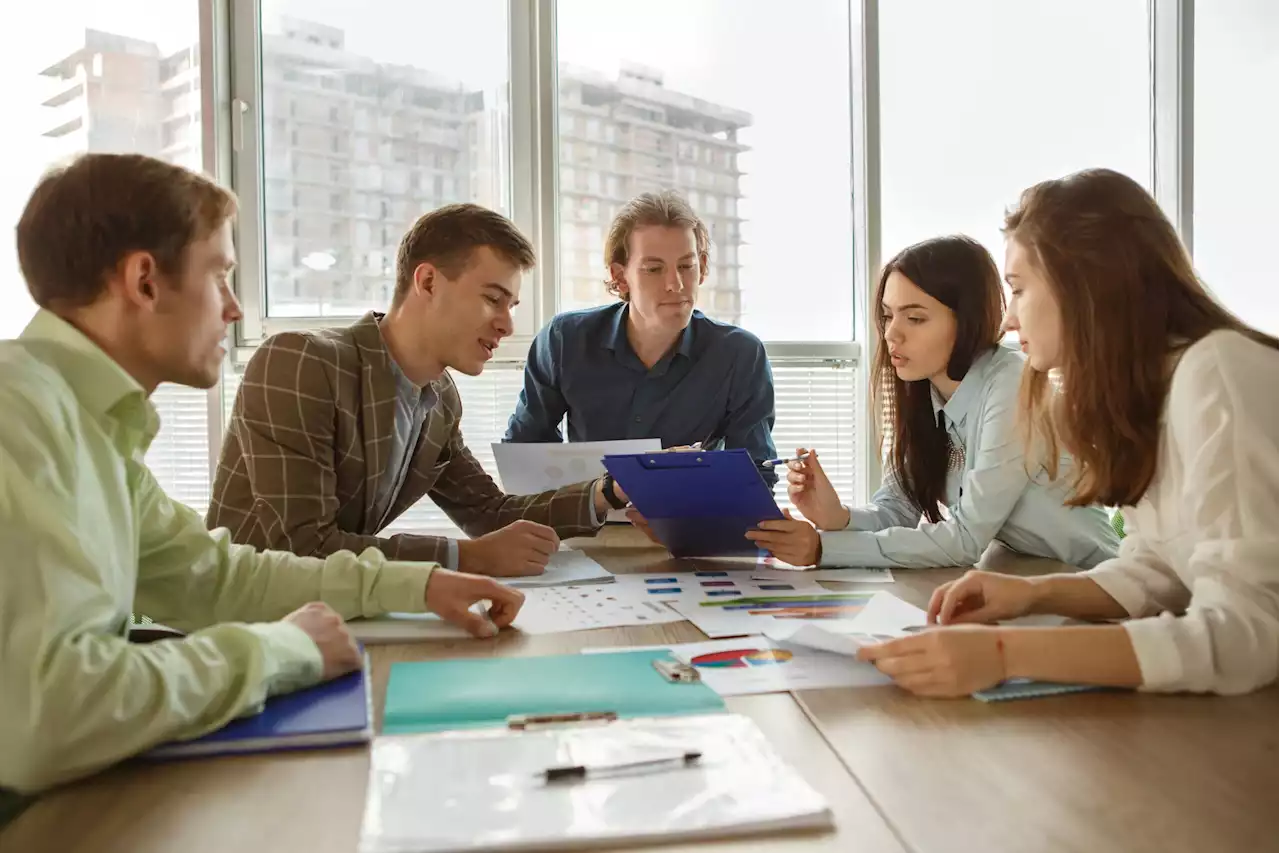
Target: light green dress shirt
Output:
{"points": [[88, 536]]}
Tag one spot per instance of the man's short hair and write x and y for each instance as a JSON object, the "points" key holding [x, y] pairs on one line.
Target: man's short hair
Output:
{"points": [[667, 209], [447, 236], [82, 219]]}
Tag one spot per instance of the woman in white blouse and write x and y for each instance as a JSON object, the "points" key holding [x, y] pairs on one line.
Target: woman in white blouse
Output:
{"points": [[1168, 403]]}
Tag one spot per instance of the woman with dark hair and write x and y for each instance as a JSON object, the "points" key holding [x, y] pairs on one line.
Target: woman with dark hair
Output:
{"points": [[948, 393], [1167, 402]]}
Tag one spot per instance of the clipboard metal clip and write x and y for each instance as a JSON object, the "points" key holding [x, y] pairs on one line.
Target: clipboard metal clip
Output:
{"points": [[676, 671], [536, 721]]}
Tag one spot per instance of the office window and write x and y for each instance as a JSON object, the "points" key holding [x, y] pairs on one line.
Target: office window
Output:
{"points": [[1237, 175], [693, 79], [462, 80], [990, 97], [49, 118]]}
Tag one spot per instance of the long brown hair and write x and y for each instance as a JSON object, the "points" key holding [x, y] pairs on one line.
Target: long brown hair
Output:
{"points": [[1129, 298], [958, 272]]}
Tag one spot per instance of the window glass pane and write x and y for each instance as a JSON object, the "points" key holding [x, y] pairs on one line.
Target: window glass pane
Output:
{"points": [[364, 125], [984, 98], [744, 111], [1237, 174], [104, 76]]}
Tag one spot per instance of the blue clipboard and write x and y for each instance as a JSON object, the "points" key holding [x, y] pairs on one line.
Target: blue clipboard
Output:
{"points": [[699, 504]]}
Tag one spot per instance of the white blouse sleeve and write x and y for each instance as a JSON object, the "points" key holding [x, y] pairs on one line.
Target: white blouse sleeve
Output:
{"points": [[1221, 420], [1139, 580]]}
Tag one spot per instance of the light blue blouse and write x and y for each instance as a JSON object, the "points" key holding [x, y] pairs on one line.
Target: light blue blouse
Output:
{"points": [[993, 497]]}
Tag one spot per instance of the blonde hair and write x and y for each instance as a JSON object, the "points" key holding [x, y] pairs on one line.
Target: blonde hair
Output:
{"points": [[667, 209]]}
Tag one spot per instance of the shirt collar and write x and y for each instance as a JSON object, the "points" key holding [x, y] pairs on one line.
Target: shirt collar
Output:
{"points": [[404, 385], [616, 335], [98, 381], [957, 408]]}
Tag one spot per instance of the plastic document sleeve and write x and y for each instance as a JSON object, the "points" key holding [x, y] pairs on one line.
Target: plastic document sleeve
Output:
{"points": [[487, 790]]}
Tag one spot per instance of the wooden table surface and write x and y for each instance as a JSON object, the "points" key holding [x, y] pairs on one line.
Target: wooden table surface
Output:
{"points": [[1094, 772]]}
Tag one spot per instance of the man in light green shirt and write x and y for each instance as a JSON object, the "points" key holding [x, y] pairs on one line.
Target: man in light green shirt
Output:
{"points": [[129, 259]]}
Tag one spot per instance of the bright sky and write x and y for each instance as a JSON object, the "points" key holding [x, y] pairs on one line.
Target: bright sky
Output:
{"points": [[979, 99]]}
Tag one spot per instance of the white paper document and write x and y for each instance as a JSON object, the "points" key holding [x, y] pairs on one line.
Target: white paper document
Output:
{"points": [[748, 665], [841, 575], [566, 566], [405, 628], [527, 469], [884, 617], [707, 585], [487, 789], [557, 609], [755, 614]]}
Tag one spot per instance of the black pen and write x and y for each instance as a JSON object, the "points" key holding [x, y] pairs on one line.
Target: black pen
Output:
{"points": [[582, 771]]}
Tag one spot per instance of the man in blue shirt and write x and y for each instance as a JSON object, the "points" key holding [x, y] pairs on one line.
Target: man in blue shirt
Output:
{"points": [[650, 366]]}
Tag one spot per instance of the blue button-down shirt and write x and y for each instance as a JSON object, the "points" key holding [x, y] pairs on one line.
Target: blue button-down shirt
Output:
{"points": [[992, 496], [714, 386]]}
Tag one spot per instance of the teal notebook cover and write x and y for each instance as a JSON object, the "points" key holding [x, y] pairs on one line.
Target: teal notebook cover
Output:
{"points": [[475, 693], [1023, 688]]}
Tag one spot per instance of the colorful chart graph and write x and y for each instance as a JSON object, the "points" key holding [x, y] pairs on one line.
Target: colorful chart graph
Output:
{"points": [[741, 658]]}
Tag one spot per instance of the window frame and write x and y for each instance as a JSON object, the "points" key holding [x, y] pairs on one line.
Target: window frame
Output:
{"points": [[231, 48]]}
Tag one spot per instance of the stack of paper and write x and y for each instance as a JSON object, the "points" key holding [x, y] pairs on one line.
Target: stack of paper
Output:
{"points": [[488, 790], [748, 665], [564, 568], [527, 469]]}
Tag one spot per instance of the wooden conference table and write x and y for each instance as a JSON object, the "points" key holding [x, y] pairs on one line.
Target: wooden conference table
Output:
{"points": [[1090, 773]]}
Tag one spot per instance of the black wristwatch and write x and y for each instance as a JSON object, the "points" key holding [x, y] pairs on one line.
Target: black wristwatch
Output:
{"points": [[610, 494]]}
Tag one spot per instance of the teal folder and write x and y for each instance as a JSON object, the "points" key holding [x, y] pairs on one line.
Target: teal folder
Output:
{"points": [[475, 693]]}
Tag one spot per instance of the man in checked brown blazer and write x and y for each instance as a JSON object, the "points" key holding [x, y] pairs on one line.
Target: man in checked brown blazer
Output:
{"points": [[335, 433]]}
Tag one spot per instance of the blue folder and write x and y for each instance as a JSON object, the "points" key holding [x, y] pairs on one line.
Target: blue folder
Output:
{"points": [[336, 713], [699, 504]]}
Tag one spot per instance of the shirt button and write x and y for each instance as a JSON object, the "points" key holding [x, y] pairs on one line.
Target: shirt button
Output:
{"points": [[637, 419]]}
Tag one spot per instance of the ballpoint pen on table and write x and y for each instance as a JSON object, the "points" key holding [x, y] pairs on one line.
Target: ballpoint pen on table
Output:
{"points": [[585, 771]]}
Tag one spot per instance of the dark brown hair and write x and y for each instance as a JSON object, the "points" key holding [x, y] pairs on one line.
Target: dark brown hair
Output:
{"points": [[667, 209], [958, 272], [84, 218], [447, 236], [1129, 298]]}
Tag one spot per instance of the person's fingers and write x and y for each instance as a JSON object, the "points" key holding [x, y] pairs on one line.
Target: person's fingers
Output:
{"points": [[960, 590], [786, 513], [935, 603], [546, 534], [541, 547], [475, 624], [920, 683], [504, 604], [786, 525], [986, 612], [892, 648], [905, 665]]}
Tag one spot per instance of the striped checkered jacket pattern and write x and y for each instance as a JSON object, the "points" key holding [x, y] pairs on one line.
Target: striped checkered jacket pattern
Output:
{"points": [[309, 438]]}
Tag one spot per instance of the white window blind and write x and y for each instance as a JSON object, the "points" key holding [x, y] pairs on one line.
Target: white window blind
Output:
{"points": [[179, 457], [818, 405]]}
